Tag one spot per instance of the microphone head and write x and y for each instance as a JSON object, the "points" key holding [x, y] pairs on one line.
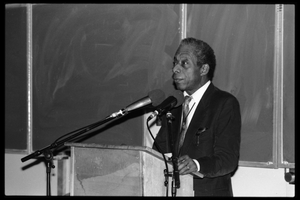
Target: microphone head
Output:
{"points": [[179, 97], [157, 97]]}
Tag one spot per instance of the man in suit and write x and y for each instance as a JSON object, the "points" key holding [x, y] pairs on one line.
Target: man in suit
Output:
{"points": [[211, 129]]}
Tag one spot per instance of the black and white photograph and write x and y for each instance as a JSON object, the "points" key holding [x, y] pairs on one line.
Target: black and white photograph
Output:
{"points": [[162, 100]]}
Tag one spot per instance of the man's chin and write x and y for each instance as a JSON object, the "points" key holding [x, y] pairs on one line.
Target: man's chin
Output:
{"points": [[179, 86]]}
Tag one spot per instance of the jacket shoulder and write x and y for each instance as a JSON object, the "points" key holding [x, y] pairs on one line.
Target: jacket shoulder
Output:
{"points": [[223, 93]]}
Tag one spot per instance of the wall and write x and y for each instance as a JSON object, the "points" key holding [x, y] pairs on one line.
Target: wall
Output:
{"points": [[261, 182], [27, 178]]}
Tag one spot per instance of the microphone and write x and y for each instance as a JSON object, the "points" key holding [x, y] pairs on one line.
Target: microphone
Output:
{"points": [[172, 101], [155, 97]]}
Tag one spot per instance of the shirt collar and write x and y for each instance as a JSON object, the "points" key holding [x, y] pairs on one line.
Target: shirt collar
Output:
{"points": [[197, 95]]}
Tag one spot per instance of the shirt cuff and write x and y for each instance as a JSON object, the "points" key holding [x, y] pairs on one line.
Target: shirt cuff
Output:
{"points": [[197, 163]]}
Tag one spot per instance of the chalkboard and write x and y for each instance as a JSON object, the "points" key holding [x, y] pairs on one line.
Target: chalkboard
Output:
{"points": [[90, 60], [242, 37], [15, 79]]}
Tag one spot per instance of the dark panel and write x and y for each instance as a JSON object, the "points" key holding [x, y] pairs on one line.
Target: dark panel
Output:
{"points": [[289, 84], [242, 37], [15, 78]]}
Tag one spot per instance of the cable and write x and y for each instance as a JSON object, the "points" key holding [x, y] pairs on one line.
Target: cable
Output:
{"points": [[165, 160]]}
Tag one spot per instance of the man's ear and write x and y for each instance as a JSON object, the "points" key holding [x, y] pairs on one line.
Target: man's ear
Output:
{"points": [[204, 69]]}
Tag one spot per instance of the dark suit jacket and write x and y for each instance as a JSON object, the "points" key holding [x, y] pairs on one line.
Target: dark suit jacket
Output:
{"points": [[216, 148]]}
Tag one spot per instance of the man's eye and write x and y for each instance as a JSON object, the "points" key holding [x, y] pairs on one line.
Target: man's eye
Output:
{"points": [[184, 63]]}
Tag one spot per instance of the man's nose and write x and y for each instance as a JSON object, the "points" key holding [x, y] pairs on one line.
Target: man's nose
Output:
{"points": [[176, 68]]}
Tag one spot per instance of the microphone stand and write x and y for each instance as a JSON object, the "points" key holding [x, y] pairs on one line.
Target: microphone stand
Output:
{"points": [[170, 119], [48, 150]]}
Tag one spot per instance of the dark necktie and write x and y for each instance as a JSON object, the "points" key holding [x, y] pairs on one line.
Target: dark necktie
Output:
{"points": [[185, 111]]}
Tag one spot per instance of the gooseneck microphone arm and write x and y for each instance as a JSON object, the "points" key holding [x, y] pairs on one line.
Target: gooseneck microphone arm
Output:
{"points": [[154, 97]]}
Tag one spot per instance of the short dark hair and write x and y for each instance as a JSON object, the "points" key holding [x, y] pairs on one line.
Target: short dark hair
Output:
{"points": [[204, 53]]}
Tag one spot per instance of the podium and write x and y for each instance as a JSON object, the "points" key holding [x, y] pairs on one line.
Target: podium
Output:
{"points": [[110, 170]]}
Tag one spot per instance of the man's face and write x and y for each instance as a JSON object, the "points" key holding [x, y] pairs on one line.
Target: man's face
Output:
{"points": [[186, 73]]}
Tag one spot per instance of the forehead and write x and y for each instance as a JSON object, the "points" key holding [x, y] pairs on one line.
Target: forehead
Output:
{"points": [[185, 51]]}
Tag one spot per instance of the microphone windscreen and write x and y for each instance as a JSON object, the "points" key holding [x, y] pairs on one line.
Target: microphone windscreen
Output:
{"points": [[157, 97], [179, 96]]}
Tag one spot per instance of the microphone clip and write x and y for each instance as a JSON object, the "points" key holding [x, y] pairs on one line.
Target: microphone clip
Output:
{"points": [[117, 114], [170, 117]]}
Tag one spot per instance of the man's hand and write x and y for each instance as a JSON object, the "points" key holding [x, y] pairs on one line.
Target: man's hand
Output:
{"points": [[186, 165]]}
